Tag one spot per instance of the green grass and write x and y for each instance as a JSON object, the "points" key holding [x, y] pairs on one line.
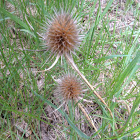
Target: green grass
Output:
{"points": [[109, 57]]}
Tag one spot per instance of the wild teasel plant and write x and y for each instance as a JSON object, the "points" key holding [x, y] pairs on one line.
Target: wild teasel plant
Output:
{"points": [[62, 38], [69, 88]]}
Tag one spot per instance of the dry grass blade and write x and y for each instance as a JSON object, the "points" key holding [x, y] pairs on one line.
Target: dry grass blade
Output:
{"points": [[123, 102], [88, 118]]}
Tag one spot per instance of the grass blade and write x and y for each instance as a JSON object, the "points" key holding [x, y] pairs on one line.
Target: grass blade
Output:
{"points": [[14, 18]]}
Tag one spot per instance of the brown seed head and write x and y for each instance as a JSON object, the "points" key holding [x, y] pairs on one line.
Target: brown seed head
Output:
{"points": [[62, 35], [69, 87]]}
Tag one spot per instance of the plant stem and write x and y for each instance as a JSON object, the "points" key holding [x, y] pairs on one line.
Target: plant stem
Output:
{"points": [[70, 60]]}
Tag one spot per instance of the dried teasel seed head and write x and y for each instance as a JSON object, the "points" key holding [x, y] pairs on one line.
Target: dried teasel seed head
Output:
{"points": [[62, 34], [69, 87]]}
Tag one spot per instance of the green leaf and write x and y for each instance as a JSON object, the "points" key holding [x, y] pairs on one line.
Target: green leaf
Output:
{"points": [[126, 134], [81, 134], [127, 60], [128, 71], [27, 31], [113, 56], [134, 130], [135, 105], [106, 8], [15, 18]]}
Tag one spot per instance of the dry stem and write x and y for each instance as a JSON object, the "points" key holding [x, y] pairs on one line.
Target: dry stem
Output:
{"points": [[88, 118], [70, 60]]}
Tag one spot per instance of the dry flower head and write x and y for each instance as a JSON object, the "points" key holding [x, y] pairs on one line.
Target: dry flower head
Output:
{"points": [[69, 87], [62, 34]]}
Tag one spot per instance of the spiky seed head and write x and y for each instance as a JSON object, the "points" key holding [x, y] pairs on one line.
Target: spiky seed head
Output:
{"points": [[62, 34], [69, 87]]}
